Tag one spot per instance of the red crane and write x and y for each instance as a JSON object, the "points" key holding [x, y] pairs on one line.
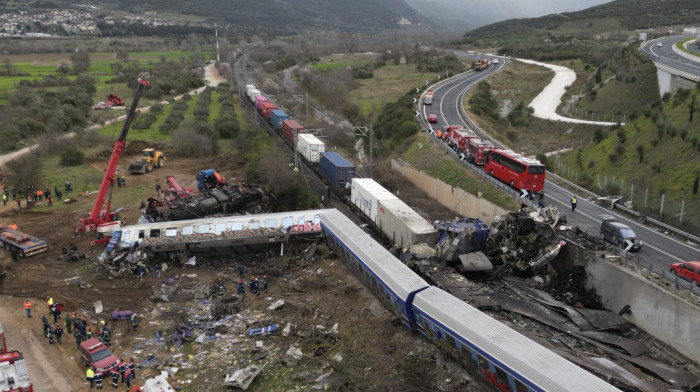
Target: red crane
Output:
{"points": [[104, 221]]}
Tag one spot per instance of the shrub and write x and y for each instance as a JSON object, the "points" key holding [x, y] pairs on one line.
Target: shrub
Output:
{"points": [[71, 156], [191, 143]]}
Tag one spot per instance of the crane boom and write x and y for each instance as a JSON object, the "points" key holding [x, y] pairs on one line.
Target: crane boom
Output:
{"points": [[97, 217]]}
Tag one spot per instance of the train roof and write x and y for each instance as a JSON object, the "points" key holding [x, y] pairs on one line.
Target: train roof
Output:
{"points": [[396, 275], [336, 159], [373, 188], [408, 216], [222, 219], [502, 344], [309, 138]]}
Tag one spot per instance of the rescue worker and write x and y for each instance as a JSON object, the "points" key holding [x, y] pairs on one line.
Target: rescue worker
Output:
{"points": [[265, 283], [523, 206], [49, 303], [28, 307], [78, 337], [81, 328], [98, 380], [241, 288], [439, 134], [47, 192], [68, 186], [89, 334], [139, 270], [13, 253], [241, 270], [133, 323], [220, 283], [251, 285], [122, 368], [49, 334], [124, 181], [106, 336], [69, 324], [45, 323], [115, 378], [573, 203], [19, 203], [39, 195], [126, 378], [212, 287], [54, 312], [58, 330], [49, 200], [119, 182], [132, 366], [90, 376], [540, 203], [256, 286], [4, 199]]}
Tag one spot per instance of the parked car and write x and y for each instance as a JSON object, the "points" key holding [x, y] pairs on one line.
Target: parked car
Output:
{"points": [[659, 44], [432, 118], [97, 355], [689, 271], [617, 233], [495, 61]]}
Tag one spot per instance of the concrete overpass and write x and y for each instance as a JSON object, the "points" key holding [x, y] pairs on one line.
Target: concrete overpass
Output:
{"points": [[674, 68]]}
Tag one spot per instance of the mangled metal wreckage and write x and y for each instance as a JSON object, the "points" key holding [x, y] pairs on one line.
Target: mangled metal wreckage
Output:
{"points": [[228, 235]]}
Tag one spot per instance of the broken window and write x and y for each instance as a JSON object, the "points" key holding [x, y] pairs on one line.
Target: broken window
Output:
{"points": [[187, 230], [155, 233], [501, 375], [450, 340], [171, 232], [483, 363], [141, 234]]}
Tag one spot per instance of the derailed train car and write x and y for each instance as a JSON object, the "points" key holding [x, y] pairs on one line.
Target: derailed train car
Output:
{"points": [[504, 358]]}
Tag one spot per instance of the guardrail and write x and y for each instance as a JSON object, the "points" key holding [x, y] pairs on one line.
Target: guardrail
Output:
{"points": [[643, 268]]}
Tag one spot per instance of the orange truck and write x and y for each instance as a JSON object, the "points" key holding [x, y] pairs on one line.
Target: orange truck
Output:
{"points": [[482, 64]]}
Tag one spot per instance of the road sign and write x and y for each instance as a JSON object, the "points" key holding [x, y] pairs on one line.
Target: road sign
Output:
{"points": [[417, 90], [426, 82], [438, 77], [415, 100], [431, 130], [417, 113], [524, 193], [629, 244]]}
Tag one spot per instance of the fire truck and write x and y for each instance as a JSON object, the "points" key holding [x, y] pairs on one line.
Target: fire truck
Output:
{"points": [[14, 376]]}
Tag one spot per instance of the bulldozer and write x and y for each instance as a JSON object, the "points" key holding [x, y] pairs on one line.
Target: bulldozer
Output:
{"points": [[150, 159]]}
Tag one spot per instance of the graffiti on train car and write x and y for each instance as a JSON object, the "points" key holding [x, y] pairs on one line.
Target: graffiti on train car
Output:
{"points": [[202, 237], [492, 378], [307, 227]]}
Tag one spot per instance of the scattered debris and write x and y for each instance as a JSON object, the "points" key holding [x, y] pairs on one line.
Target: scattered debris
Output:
{"points": [[70, 253], [263, 330], [242, 378]]}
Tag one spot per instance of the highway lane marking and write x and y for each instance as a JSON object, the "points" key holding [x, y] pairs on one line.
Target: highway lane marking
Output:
{"points": [[596, 220]]}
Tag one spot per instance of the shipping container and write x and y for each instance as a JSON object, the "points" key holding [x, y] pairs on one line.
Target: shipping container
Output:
{"points": [[267, 107], [365, 194], [335, 169], [276, 118], [288, 129], [310, 147], [259, 101], [248, 87], [253, 93], [403, 225]]}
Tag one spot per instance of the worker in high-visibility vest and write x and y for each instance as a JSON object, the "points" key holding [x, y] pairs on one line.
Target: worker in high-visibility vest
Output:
{"points": [[28, 307], [49, 303]]}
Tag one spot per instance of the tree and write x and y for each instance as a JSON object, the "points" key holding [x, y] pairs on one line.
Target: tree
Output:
{"points": [[696, 184], [640, 152], [63, 67], [8, 66], [81, 61], [71, 156], [122, 54], [349, 42], [24, 171], [691, 106]]}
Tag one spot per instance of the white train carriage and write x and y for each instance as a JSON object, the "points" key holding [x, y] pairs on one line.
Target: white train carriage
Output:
{"points": [[504, 357], [218, 232], [391, 281]]}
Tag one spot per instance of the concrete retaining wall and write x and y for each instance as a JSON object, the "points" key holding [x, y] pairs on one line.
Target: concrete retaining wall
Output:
{"points": [[456, 199], [662, 314]]}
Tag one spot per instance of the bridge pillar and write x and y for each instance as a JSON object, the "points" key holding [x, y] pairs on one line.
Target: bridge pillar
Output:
{"points": [[665, 79]]}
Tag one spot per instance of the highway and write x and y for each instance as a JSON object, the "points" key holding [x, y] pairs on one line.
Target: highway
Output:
{"points": [[666, 55], [659, 249]]}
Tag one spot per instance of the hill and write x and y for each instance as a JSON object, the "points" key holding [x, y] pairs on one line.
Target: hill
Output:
{"points": [[284, 16], [616, 17]]}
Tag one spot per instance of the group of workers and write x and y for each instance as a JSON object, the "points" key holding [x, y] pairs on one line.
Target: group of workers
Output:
{"points": [[32, 195], [217, 286], [127, 371]]}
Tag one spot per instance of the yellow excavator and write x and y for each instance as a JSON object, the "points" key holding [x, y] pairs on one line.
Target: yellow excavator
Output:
{"points": [[150, 159]]}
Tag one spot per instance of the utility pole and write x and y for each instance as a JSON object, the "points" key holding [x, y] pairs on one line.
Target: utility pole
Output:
{"points": [[307, 108], [371, 152], [216, 33]]}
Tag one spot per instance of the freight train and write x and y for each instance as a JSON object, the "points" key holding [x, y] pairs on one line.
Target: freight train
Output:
{"points": [[395, 219], [505, 358]]}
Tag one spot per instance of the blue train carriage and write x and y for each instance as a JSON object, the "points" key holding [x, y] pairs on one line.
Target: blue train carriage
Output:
{"points": [[505, 358], [392, 282], [276, 118]]}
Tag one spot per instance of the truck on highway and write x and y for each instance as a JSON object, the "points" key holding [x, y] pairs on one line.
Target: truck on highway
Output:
{"points": [[481, 64]]}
